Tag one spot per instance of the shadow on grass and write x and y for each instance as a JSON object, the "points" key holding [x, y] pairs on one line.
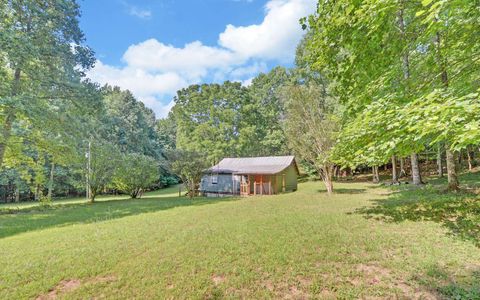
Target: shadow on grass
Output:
{"points": [[36, 218], [349, 191], [445, 285], [459, 212], [344, 191]]}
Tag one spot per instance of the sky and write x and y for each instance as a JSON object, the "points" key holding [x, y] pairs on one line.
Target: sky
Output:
{"points": [[156, 47]]}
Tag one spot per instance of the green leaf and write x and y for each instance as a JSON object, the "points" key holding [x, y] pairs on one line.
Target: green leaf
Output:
{"points": [[426, 2], [419, 13]]}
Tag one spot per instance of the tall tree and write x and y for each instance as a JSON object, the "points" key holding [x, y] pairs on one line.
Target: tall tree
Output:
{"points": [[312, 126], [44, 57], [209, 119]]}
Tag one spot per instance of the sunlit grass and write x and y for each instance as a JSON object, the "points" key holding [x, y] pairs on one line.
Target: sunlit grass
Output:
{"points": [[167, 192]]}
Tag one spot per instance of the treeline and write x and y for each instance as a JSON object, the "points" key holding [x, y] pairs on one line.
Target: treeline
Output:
{"points": [[407, 75], [57, 127], [375, 83]]}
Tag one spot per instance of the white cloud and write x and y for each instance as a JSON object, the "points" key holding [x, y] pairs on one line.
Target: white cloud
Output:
{"points": [[276, 37], [141, 13], [140, 82], [192, 61], [137, 11], [154, 71]]}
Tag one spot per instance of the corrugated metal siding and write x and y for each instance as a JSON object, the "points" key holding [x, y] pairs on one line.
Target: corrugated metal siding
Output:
{"points": [[226, 183], [253, 165]]}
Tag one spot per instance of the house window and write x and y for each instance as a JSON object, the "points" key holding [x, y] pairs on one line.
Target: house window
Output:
{"points": [[214, 179]]}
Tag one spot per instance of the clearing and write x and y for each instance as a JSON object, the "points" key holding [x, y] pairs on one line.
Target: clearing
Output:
{"points": [[365, 241]]}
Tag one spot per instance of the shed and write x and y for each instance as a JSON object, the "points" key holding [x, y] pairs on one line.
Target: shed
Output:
{"points": [[245, 176]]}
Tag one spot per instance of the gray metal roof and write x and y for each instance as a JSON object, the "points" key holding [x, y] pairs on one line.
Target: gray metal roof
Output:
{"points": [[253, 165]]}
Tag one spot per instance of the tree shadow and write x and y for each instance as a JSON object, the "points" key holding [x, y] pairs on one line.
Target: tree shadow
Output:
{"points": [[36, 218], [344, 191], [458, 212], [349, 191], [448, 286]]}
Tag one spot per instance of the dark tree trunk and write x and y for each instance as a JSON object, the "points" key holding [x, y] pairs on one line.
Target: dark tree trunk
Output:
{"points": [[17, 193], [403, 173], [416, 175], [376, 176], [440, 160]]}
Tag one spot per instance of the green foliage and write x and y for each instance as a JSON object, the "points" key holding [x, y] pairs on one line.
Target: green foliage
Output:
{"points": [[167, 132], [189, 166], [407, 74], [312, 126], [135, 174], [104, 161], [232, 120], [130, 125]]}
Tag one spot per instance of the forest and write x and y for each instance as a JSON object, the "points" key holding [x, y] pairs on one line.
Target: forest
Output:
{"points": [[388, 84]]}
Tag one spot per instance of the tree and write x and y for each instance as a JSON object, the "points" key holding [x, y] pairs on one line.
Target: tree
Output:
{"points": [[263, 118], [104, 159], [135, 174], [312, 126], [189, 166], [209, 119], [130, 124], [42, 57], [167, 132], [365, 72]]}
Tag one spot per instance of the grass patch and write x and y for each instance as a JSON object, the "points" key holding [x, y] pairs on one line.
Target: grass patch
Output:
{"points": [[298, 245], [459, 212]]}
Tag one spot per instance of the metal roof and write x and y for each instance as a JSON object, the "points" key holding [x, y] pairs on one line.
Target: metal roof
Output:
{"points": [[253, 165]]}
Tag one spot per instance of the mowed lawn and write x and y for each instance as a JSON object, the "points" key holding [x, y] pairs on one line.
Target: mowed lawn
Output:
{"points": [[298, 245]]}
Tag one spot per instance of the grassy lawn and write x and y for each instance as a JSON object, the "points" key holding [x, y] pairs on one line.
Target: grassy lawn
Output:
{"points": [[365, 241]]}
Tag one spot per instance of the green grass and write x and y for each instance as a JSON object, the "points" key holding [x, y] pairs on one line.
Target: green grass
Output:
{"points": [[296, 245]]}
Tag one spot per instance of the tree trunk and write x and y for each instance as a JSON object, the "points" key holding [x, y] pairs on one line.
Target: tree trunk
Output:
{"points": [[93, 194], [470, 159], [416, 176], [403, 173], [37, 192], [394, 170], [453, 184], [327, 173], [50, 183], [376, 176], [439, 160], [17, 193]]}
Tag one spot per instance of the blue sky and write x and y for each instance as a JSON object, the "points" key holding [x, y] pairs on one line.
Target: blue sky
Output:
{"points": [[155, 47]]}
